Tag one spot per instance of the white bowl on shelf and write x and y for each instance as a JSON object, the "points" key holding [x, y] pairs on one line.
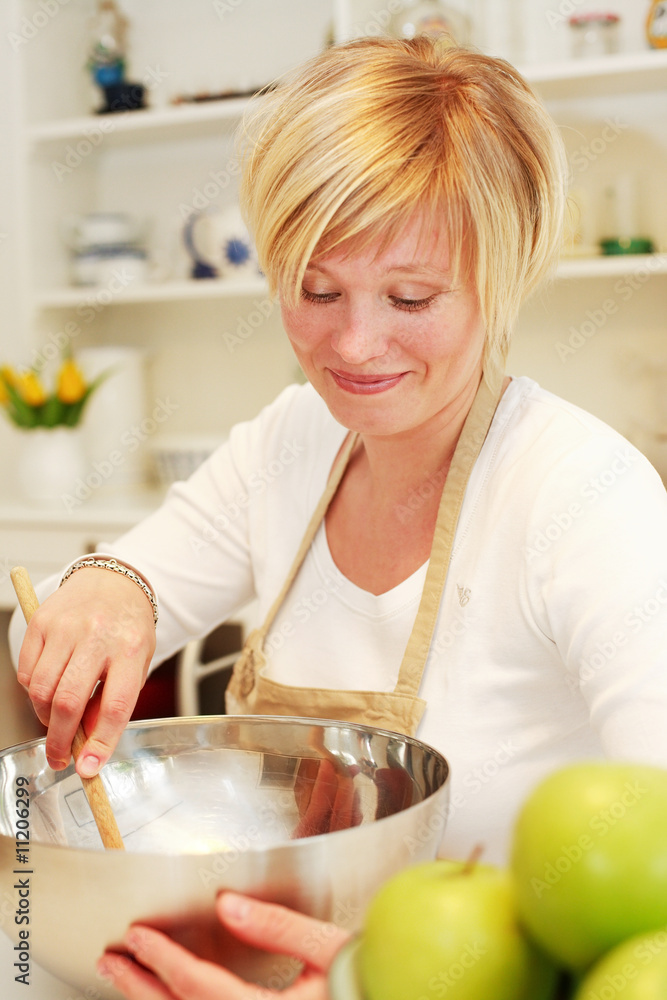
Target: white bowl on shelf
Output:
{"points": [[175, 457]]}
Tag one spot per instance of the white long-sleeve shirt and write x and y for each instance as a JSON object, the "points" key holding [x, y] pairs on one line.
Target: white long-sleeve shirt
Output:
{"points": [[551, 642]]}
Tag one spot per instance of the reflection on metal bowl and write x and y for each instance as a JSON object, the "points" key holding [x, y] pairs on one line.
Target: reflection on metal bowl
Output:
{"points": [[312, 814]]}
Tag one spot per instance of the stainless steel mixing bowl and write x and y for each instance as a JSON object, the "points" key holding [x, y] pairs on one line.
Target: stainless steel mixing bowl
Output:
{"points": [[312, 814]]}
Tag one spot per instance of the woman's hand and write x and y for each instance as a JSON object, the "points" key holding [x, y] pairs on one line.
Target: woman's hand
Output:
{"points": [[97, 626], [169, 972]]}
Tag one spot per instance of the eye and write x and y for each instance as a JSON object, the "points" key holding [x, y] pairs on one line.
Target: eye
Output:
{"points": [[412, 305], [318, 297]]}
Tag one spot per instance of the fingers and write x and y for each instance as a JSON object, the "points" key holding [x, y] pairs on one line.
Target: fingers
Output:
{"points": [[130, 979], [317, 816], [346, 810], [98, 626], [164, 970], [105, 721], [31, 650], [68, 699], [278, 929], [170, 972]]}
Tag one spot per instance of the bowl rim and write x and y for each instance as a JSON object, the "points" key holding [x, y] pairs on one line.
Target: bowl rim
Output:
{"points": [[252, 719], [344, 971], [287, 845]]}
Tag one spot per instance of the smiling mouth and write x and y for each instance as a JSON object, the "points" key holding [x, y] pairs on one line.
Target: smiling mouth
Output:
{"points": [[366, 385]]}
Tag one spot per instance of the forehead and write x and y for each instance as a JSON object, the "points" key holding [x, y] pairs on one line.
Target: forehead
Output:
{"points": [[420, 245]]}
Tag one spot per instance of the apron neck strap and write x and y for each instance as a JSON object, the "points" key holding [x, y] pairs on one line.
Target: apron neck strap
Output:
{"points": [[469, 445]]}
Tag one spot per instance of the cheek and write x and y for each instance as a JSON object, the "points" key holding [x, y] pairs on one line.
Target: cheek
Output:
{"points": [[301, 332]]}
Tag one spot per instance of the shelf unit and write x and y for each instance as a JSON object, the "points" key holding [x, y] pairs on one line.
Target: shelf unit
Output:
{"points": [[628, 73], [159, 162]]}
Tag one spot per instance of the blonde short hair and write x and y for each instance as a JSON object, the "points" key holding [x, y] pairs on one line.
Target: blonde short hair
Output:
{"points": [[344, 149]]}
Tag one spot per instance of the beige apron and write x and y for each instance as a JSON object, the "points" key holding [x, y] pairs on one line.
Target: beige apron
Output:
{"points": [[400, 710]]}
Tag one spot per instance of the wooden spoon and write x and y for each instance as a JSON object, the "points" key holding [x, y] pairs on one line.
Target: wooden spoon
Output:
{"points": [[93, 787]]}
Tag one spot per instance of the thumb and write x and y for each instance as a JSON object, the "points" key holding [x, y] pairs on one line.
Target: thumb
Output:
{"points": [[281, 930]]}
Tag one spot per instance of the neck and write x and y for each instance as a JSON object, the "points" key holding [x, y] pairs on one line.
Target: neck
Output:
{"points": [[415, 463]]}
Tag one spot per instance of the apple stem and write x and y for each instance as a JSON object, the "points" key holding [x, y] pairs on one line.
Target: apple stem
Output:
{"points": [[472, 859]]}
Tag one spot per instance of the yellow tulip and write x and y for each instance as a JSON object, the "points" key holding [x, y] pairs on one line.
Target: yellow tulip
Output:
{"points": [[71, 383], [31, 389], [7, 377]]}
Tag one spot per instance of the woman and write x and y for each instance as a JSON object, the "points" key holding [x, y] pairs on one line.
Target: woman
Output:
{"points": [[405, 198]]}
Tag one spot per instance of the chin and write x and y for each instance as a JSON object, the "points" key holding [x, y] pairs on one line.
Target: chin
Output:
{"points": [[367, 417]]}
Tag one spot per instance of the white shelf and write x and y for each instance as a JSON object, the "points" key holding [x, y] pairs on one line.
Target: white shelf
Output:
{"points": [[625, 73], [169, 291], [184, 291], [611, 266], [118, 508], [180, 121]]}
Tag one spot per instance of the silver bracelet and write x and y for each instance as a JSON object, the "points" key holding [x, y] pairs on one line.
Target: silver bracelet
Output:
{"points": [[116, 568]]}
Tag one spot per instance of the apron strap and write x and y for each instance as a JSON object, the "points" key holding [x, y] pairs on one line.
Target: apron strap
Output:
{"points": [[467, 450], [313, 526]]}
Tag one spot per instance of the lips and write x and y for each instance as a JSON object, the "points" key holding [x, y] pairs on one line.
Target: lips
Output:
{"points": [[366, 385]]}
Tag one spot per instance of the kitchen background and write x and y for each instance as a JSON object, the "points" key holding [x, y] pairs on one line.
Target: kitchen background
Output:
{"points": [[155, 188], [191, 356]]}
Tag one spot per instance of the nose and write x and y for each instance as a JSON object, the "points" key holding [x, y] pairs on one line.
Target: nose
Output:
{"points": [[359, 336]]}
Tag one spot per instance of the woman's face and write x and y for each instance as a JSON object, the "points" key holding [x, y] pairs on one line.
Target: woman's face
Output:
{"points": [[387, 338]]}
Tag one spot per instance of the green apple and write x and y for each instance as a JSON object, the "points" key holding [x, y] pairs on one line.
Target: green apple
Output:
{"points": [[589, 857], [449, 929], [634, 970]]}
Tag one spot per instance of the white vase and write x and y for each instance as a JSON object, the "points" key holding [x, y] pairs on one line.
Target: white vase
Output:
{"points": [[113, 423], [51, 460]]}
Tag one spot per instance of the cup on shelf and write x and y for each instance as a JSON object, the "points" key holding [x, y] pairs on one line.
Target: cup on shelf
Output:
{"points": [[101, 229], [594, 34], [103, 244], [97, 266]]}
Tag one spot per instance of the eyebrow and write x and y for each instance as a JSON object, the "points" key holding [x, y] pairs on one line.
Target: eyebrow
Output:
{"points": [[403, 268]]}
